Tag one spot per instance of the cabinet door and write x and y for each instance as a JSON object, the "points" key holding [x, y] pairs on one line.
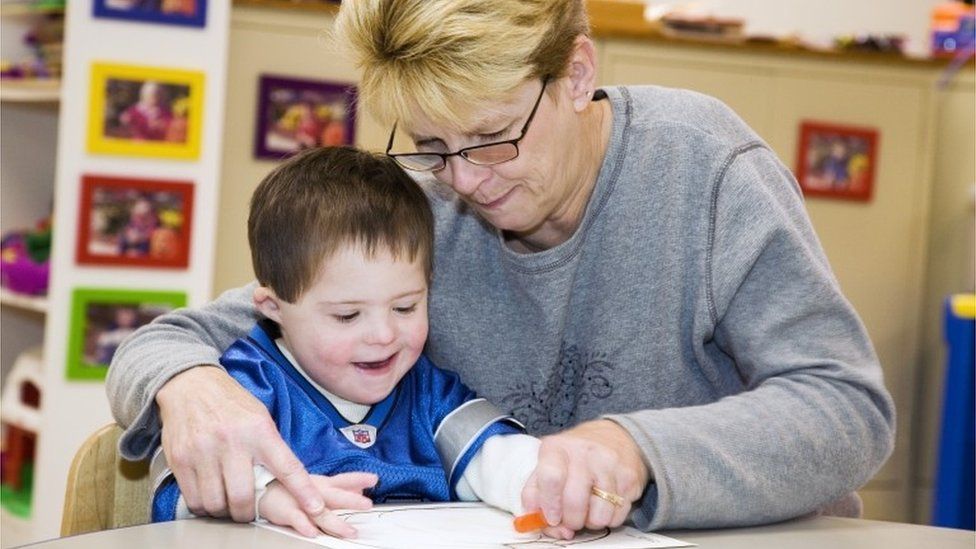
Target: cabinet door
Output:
{"points": [[878, 248]]}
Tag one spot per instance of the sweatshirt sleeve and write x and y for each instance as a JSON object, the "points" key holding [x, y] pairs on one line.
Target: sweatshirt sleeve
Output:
{"points": [[815, 421], [169, 345]]}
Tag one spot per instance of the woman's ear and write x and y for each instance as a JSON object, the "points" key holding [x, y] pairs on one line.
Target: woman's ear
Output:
{"points": [[267, 303], [582, 72]]}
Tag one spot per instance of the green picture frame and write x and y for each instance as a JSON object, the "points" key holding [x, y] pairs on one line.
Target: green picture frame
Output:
{"points": [[102, 317]]}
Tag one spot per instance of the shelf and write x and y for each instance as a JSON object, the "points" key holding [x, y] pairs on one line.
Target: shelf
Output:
{"points": [[37, 304], [16, 530], [46, 90], [20, 7]]}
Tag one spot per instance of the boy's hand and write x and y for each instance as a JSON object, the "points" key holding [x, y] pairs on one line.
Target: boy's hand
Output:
{"points": [[340, 492], [596, 453], [213, 433]]}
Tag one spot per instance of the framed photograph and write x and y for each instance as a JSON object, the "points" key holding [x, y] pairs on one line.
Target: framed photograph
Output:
{"points": [[102, 318], [296, 114], [145, 111], [188, 13], [836, 161], [134, 222]]}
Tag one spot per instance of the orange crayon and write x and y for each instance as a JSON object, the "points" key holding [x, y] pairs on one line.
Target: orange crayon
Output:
{"points": [[530, 522]]}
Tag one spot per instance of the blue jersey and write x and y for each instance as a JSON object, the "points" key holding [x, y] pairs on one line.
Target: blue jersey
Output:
{"points": [[404, 439]]}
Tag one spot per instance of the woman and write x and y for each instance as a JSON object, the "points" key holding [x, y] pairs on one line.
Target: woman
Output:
{"points": [[629, 271]]}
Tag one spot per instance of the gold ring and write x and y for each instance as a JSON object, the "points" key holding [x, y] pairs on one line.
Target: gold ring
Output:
{"points": [[609, 497]]}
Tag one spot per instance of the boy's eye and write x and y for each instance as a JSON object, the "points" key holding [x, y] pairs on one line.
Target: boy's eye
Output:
{"points": [[406, 310], [346, 318]]}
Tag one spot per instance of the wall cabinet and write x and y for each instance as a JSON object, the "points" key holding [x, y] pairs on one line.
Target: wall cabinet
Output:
{"points": [[879, 250]]}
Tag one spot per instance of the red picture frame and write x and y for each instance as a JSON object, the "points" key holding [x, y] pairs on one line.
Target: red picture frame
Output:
{"points": [[134, 222], [836, 161]]}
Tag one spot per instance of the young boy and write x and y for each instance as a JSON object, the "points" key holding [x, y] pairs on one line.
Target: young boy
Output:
{"points": [[342, 241]]}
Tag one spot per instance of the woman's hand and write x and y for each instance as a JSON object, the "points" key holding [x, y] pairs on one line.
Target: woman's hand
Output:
{"points": [[214, 431], [344, 491], [596, 454]]}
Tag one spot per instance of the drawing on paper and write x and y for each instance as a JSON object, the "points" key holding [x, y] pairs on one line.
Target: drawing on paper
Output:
{"points": [[476, 525]]}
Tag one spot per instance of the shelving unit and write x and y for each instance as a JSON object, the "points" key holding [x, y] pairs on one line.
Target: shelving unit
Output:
{"points": [[47, 90], [47, 127], [36, 304], [29, 132]]}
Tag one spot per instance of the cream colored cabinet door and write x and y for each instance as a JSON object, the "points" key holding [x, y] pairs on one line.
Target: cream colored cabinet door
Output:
{"points": [[877, 248]]}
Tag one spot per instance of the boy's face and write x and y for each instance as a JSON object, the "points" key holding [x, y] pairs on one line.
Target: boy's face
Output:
{"points": [[360, 327]]}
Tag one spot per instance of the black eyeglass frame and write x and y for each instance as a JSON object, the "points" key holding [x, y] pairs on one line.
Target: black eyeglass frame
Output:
{"points": [[463, 153]]}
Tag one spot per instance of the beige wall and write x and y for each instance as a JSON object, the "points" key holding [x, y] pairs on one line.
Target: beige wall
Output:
{"points": [[894, 256], [266, 41]]}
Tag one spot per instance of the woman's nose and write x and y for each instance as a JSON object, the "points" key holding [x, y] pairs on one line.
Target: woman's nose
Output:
{"points": [[465, 177]]}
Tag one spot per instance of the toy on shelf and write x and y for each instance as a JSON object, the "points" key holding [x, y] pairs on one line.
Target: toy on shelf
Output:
{"points": [[953, 29], [25, 259], [20, 418], [45, 39]]}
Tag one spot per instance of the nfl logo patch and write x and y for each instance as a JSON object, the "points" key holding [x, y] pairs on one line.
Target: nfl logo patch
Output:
{"points": [[363, 436]]}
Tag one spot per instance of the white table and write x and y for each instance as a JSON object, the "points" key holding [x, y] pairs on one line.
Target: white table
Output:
{"points": [[806, 533]]}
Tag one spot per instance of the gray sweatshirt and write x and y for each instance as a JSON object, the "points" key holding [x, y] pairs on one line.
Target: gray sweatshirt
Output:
{"points": [[694, 306]]}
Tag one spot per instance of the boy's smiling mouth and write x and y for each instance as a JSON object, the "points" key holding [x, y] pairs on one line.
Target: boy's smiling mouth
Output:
{"points": [[377, 364]]}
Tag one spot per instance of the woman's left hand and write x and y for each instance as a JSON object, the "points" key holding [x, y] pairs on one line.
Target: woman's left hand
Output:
{"points": [[597, 455]]}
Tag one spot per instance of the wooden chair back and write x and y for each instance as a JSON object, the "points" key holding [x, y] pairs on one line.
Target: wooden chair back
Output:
{"points": [[104, 491]]}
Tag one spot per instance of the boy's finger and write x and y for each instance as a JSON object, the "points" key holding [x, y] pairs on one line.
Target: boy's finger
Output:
{"points": [[300, 522], [353, 481], [334, 525], [286, 468], [341, 499]]}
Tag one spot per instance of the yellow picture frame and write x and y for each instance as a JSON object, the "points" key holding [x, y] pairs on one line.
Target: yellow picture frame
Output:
{"points": [[118, 123]]}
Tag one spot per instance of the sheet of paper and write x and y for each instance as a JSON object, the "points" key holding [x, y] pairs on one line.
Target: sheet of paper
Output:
{"points": [[469, 525]]}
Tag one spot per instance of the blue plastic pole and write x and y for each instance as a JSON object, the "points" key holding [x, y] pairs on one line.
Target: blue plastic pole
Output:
{"points": [[955, 490]]}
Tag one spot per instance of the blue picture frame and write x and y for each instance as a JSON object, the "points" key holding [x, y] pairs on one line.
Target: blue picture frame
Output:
{"points": [[167, 12]]}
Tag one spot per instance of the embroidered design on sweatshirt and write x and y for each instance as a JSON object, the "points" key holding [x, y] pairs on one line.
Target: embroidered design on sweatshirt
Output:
{"points": [[552, 406]]}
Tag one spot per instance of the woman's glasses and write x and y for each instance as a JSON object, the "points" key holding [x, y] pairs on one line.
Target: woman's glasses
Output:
{"points": [[487, 154]]}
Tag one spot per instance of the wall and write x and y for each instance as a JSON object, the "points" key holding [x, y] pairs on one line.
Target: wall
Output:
{"points": [[263, 41]]}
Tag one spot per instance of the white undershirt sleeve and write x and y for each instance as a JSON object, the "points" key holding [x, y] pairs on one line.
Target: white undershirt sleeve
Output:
{"points": [[497, 473]]}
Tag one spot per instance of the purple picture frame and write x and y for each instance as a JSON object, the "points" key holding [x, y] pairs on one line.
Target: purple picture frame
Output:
{"points": [[297, 113], [151, 12]]}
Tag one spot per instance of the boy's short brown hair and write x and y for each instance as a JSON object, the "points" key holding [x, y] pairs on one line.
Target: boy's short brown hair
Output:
{"points": [[322, 199]]}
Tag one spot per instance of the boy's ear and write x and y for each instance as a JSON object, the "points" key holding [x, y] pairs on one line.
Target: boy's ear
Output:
{"points": [[267, 303]]}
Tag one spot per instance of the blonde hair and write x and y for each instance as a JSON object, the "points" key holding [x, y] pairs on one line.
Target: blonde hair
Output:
{"points": [[446, 58]]}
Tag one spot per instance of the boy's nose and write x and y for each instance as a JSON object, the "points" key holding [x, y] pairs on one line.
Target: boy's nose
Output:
{"points": [[382, 331]]}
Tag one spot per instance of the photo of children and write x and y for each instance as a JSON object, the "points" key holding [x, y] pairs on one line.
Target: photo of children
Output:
{"points": [[134, 222], [175, 12], [146, 111], [103, 318], [836, 161], [295, 114]]}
